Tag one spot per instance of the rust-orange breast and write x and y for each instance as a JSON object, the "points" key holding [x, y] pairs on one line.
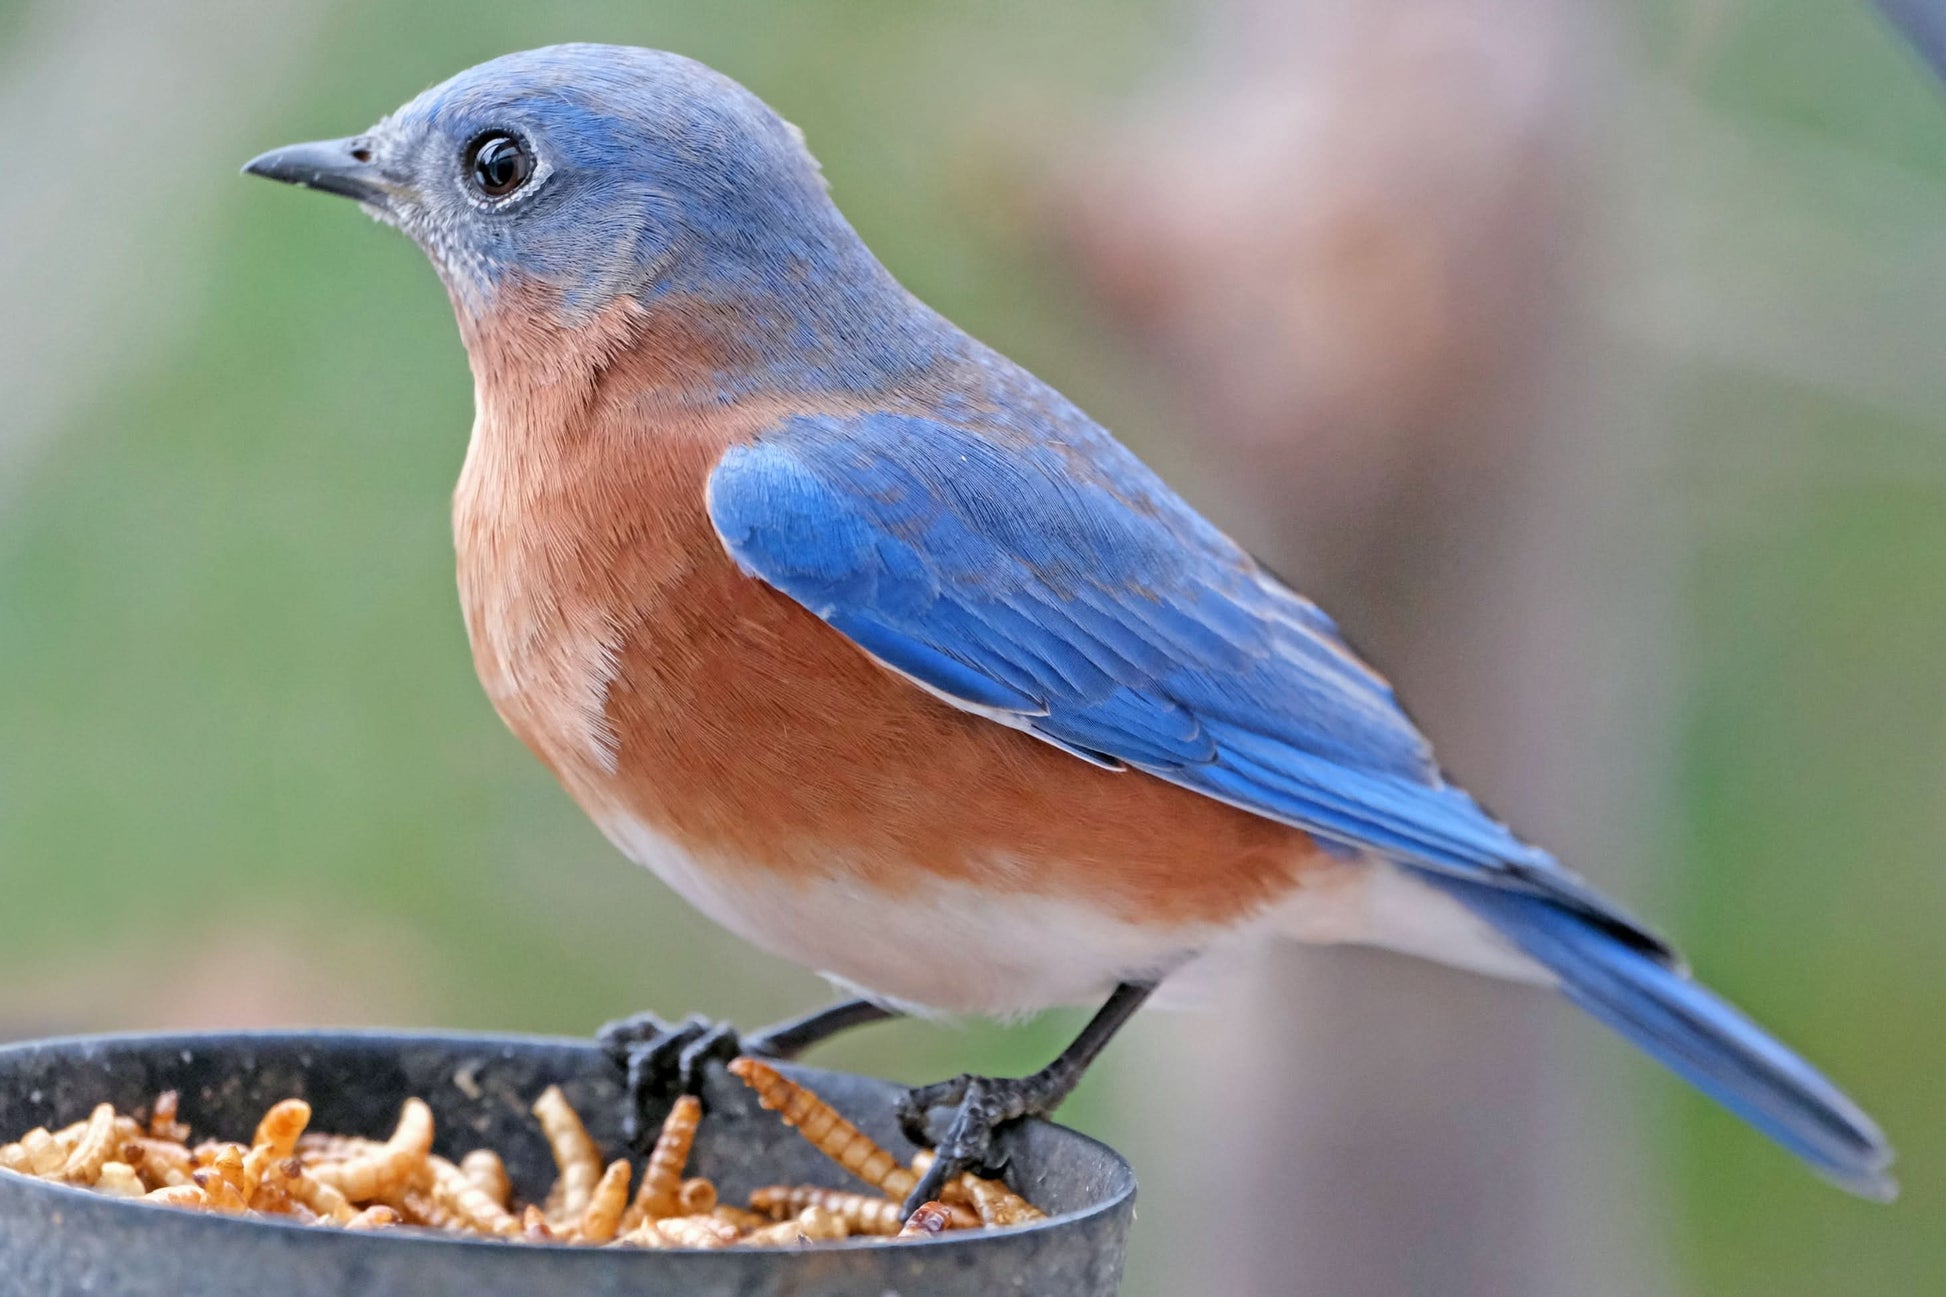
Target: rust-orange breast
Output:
{"points": [[621, 643]]}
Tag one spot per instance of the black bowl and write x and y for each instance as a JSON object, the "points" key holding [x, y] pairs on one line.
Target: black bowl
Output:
{"points": [[56, 1240]]}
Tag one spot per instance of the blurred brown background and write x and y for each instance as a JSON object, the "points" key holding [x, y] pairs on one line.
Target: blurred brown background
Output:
{"points": [[1583, 358]]}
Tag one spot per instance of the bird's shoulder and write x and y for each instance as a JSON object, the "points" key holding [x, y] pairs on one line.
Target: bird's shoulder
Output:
{"points": [[1002, 548]]}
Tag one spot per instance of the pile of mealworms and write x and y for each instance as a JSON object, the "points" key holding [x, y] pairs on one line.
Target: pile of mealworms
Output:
{"points": [[290, 1172]]}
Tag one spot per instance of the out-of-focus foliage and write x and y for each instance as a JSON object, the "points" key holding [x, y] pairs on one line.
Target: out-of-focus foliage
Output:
{"points": [[1811, 436]]}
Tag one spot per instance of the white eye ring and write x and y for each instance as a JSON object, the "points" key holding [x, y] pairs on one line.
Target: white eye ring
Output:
{"points": [[499, 167]]}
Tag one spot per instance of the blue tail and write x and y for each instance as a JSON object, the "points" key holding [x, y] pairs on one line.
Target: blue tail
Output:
{"points": [[1629, 981]]}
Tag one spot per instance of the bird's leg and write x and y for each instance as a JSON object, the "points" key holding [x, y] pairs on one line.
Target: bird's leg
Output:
{"points": [[983, 1103], [792, 1036], [661, 1060]]}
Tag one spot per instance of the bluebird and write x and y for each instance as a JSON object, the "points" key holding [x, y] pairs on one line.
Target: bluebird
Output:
{"points": [[889, 659]]}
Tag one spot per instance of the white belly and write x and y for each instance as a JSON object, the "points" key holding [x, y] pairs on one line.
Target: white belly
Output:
{"points": [[951, 947], [943, 947]]}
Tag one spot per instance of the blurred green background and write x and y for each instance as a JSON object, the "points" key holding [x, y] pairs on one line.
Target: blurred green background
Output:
{"points": [[246, 775]]}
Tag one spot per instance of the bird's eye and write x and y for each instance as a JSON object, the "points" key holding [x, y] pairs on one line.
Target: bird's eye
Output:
{"points": [[498, 164]]}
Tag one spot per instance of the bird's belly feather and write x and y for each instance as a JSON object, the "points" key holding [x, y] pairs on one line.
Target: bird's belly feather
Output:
{"points": [[947, 946]]}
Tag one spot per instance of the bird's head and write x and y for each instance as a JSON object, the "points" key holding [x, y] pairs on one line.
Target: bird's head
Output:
{"points": [[597, 172]]}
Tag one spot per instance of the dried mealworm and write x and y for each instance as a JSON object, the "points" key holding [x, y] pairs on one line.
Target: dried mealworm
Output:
{"points": [[861, 1213], [930, 1219], [697, 1197], [956, 1194], [219, 1190], [179, 1195], [321, 1198], [162, 1118], [468, 1205], [257, 1164], [777, 1234], [574, 1153], [489, 1175], [693, 1231], [603, 1214], [95, 1146], [160, 1163], [998, 1205], [210, 1149], [390, 1169], [812, 1225], [118, 1180], [376, 1216], [419, 1207], [282, 1126], [228, 1163], [45, 1153], [819, 1225], [266, 1189], [819, 1123], [316, 1147], [646, 1234], [662, 1177], [533, 1225], [740, 1219]]}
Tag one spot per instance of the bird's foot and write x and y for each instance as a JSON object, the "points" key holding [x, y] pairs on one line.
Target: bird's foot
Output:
{"points": [[663, 1061], [981, 1106]]}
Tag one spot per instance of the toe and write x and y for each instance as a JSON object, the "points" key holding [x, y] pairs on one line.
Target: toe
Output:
{"points": [[915, 1106], [656, 1058], [717, 1043], [914, 1121], [931, 1184], [616, 1038]]}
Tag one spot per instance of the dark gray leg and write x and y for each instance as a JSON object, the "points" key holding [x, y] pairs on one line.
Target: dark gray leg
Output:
{"points": [[791, 1037], [982, 1103]]}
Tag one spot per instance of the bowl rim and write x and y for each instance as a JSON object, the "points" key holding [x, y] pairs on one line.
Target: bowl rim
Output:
{"points": [[1122, 1194]]}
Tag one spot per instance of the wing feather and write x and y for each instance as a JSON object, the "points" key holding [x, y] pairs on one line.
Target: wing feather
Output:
{"points": [[1043, 576]]}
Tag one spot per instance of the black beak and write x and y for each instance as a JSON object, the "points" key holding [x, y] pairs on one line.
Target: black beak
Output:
{"points": [[334, 166]]}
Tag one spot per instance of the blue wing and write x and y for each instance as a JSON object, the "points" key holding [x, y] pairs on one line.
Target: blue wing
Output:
{"points": [[1045, 576], [1041, 575]]}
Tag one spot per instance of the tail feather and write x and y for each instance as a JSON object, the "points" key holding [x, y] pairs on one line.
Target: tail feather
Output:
{"points": [[1650, 1000]]}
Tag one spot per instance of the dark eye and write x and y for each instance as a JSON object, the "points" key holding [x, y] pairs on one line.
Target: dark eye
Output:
{"points": [[499, 164]]}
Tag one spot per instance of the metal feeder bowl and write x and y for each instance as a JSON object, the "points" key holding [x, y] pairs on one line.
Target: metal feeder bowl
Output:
{"points": [[56, 1240]]}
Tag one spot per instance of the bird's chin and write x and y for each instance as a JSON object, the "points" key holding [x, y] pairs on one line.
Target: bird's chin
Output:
{"points": [[467, 276]]}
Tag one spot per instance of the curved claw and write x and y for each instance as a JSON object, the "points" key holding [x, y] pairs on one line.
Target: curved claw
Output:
{"points": [[930, 1186], [984, 1105]]}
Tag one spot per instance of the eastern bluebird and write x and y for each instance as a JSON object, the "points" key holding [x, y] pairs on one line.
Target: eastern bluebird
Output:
{"points": [[891, 661]]}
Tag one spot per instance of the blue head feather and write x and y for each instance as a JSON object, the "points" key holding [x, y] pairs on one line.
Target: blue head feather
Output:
{"points": [[654, 178]]}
